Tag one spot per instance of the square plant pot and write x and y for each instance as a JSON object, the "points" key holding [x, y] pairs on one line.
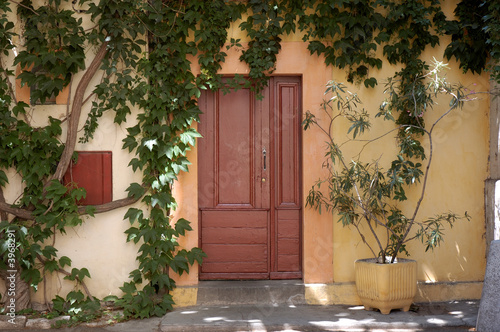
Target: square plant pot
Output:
{"points": [[386, 286]]}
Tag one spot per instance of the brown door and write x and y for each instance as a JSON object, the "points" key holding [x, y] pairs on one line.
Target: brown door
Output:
{"points": [[249, 182]]}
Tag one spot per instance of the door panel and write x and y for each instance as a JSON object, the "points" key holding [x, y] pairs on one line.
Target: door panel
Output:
{"points": [[287, 213], [231, 237], [249, 183], [234, 148]]}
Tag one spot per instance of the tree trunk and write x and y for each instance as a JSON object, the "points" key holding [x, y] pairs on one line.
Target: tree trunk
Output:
{"points": [[17, 294]]}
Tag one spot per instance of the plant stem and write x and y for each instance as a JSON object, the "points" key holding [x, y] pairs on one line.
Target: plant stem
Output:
{"points": [[424, 183], [76, 110]]}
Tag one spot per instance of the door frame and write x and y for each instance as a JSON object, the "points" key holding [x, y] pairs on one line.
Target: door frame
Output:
{"points": [[273, 154]]}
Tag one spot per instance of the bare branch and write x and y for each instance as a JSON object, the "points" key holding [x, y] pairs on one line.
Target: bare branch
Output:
{"points": [[109, 206], [22, 5], [3, 214], [76, 110], [82, 210], [18, 212], [426, 175]]}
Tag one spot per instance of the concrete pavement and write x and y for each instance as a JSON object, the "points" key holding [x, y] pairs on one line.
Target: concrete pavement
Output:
{"points": [[452, 316], [449, 316]]}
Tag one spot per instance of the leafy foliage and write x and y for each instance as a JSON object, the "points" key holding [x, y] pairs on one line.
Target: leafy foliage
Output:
{"points": [[345, 33], [264, 28], [54, 44], [364, 195], [79, 308], [469, 40], [492, 29]]}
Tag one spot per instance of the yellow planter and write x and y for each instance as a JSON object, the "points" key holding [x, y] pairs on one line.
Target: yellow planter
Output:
{"points": [[386, 286]]}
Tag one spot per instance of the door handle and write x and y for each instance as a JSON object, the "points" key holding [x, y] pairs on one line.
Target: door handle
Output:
{"points": [[264, 154]]}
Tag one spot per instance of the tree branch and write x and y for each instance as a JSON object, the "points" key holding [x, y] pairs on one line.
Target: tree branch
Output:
{"points": [[76, 111], [109, 206], [3, 214], [82, 210], [426, 175], [18, 212], [27, 7]]}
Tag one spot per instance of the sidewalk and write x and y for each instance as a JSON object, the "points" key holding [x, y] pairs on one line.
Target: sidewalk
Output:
{"points": [[455, 316], [450, 316]]}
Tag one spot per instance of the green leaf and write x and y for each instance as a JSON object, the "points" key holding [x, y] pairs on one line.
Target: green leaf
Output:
{"points": [[136, 190], [132, 234], [49, 252], [112, 298], [51, 265], [129, 288], [3, 179], [196, 254], [78, 274], [64, 261], [90, 210], [370, 82], [78, 194], [182, 225], [83, 273], [150, 144], [179, 264], [181, 164], [189, 136], [55, 190], [133, 214], [33, 276], [162, 199]]}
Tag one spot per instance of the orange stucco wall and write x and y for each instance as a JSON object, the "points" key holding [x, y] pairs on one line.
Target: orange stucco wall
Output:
{"points": [[294, 59]]}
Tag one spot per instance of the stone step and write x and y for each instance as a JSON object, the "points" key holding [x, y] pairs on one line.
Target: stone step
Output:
{"points": [[265, 292]]}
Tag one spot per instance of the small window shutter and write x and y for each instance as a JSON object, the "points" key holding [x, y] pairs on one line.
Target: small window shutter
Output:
{"points": [[93, 172]]}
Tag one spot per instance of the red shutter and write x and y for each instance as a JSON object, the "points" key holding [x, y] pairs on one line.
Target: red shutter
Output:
{"points": [[92, 172]]}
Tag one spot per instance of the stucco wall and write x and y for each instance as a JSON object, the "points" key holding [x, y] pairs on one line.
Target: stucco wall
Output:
{"points": [[329, 250], [456, 180], [99, 244], [456, 183]]}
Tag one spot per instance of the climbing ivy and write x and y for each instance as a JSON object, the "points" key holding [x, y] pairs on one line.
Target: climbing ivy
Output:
{"points": [[469, 39], [345, 33], [136, 55], [492, 30], [264, 28]]}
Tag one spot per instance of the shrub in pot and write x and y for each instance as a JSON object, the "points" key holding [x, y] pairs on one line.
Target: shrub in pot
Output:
{"points": [[367, 196]]}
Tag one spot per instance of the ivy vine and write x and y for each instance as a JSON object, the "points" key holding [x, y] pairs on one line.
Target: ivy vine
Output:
{"points": [[138, 53]]}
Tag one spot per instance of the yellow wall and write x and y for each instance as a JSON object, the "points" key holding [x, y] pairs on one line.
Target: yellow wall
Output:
{"points": [[456, 183], [329, 250]]}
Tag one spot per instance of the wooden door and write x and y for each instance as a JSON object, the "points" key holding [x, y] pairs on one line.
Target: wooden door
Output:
{"points": [[249, 182]]}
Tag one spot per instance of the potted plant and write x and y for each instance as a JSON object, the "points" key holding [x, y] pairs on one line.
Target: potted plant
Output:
{"points": [[367, 197]]}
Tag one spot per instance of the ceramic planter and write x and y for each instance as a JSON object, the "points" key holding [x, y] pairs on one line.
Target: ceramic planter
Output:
{"points": [[386, 286]]}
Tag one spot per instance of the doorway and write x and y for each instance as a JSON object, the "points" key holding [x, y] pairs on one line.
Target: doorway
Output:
{"points": [[249, 185]]}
